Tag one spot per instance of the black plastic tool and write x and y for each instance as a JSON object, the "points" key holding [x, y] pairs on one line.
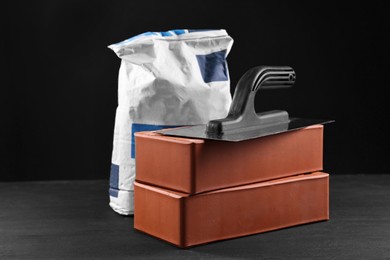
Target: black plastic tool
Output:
{"points": [[242, 122]]}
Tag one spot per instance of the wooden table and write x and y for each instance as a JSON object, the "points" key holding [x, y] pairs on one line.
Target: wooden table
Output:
{"points": [[72, 220]]}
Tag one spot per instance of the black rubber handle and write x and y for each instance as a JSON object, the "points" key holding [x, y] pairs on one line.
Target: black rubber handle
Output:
{"points": [[242, 113]]}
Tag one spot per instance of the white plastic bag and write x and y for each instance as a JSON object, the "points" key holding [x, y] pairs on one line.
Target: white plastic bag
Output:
{"points": [[166, 79]]}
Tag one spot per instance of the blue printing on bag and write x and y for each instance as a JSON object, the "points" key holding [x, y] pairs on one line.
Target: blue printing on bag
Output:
{"points": [[143, 127], [200, 30], [178, 31], [113, 192], [114, 180], [213, 66], [166, 33]]}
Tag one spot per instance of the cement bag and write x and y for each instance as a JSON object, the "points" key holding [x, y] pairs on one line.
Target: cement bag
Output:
{"points": [[166, 79]]}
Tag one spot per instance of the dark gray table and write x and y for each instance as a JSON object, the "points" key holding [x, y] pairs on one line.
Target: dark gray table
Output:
{"points": [[72, 219]]}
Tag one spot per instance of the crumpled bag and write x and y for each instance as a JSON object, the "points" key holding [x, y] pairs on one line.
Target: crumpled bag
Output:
{"points": [[166, 79]]}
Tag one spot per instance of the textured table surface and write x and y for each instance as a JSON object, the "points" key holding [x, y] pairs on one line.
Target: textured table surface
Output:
{"points": [[72, 220]]}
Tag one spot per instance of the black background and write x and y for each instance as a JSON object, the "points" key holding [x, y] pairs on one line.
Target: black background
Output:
{"points": [[59, 89]]}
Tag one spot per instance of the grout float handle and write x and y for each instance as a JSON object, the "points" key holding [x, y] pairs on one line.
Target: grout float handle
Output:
{"points": [[242, 115]]}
